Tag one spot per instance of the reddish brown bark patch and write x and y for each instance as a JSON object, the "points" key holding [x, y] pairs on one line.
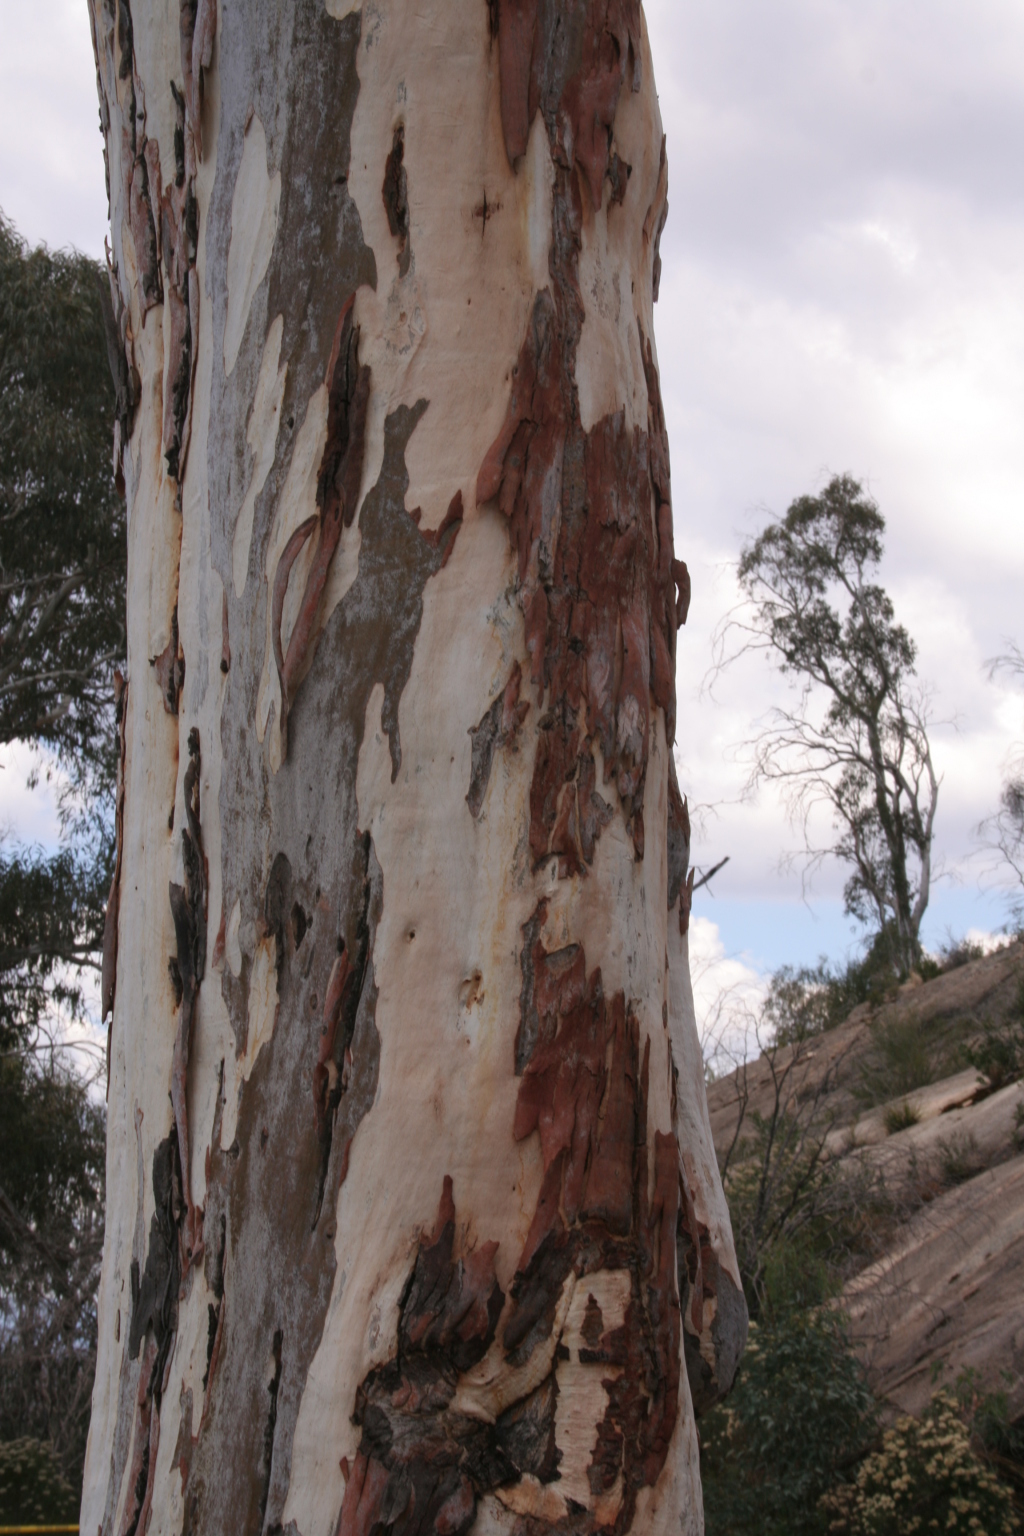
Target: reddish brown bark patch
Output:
{"points": [[337, 494], [596, 569], [602, 37], [553, 985], [585, 1092], [595, 572], [421, 1465]]}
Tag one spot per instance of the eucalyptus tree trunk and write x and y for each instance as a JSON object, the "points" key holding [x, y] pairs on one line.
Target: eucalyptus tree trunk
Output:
{"points": [[414, 1220]]}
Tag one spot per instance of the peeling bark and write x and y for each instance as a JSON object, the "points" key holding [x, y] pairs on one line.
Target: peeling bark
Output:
{"points": [[402, 565]]}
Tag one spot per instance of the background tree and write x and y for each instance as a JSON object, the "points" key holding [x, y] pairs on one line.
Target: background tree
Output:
{"points": [[62, 579], [62, 583], [62, 523], [857, 741], [52, 1136], [1003, 832]]}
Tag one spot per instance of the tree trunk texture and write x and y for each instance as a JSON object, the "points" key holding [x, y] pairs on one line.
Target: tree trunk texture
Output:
{"points": [[414, 1220]]}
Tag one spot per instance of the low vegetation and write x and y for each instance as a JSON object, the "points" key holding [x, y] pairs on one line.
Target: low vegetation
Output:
{"points": [[801, 1446]]}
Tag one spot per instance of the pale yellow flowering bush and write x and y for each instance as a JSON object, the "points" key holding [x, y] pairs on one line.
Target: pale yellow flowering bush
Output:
{"points": [[924, 1478]]}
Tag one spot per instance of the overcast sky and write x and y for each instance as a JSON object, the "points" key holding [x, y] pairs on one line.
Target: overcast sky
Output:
{"points": [[843, 289]]}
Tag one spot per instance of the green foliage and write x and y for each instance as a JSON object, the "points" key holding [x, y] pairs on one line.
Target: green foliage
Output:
{"points": [[958, 1158], [988, 1416], [818, 609], [51, 921], [62, 598], [51, 1231], [806, 1001], [797, 1418], [999, 1052], [62, 524], [900, 1117], [902, 1057], [32, 1489], [62, 595], [924, 1477], [801, 1220], [959, 952]]}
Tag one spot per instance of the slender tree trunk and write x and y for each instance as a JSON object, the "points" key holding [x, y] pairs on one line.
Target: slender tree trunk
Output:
{"points": [[407, 1118]]}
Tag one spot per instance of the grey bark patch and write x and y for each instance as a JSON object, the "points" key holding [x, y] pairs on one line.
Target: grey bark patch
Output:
{"points": [[709, 1384], [498, 728], [529, 1023], [280, 1263], [678, 838], [484, 740], [526, 1433]]}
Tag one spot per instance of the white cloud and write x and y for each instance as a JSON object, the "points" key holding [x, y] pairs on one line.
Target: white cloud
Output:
{"points": [[727, 994], [28, 815], [51, 152]]}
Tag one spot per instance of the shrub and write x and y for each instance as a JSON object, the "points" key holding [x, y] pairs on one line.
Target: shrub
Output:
{"points": [[959, 952], [959, 1159], [999, 1053], [924, 1477], [32, 1490], [903, 1057], [901, 1116], [799, 1412]]}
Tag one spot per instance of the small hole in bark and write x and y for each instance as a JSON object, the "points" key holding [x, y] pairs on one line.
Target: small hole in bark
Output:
{"points": [[264, 1138], [411, 935], [313, 1002], [291, 422]]}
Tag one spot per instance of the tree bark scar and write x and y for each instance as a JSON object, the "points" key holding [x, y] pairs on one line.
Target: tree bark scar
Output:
{"points": [[154, 1321], [170, 668], [334, 1065], [553, 985], [137, 193], [341, 470], [423, 1464], [198, 25], [498, 729], [189, 909], [720, 1320], [678, 838], [395, 193], [108, 975], [180, 231], [273, 1388]]}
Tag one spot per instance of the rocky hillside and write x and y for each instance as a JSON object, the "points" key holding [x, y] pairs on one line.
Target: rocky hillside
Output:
{"points": [[914, 1109]]}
